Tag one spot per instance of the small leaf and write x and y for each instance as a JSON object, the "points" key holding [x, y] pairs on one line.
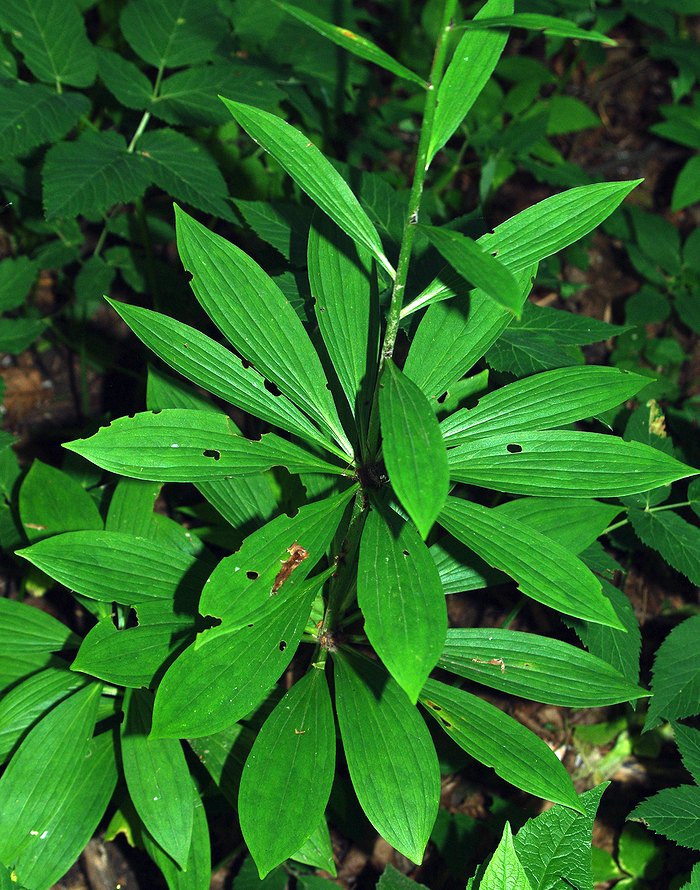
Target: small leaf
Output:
{"points": [[353, 43], [312, 172], [399, 795], [550, 24], [391, 879], [674, 813], [51, 501], [688, 741], [414, 451], [23, 104], [171, 33], [493, 738], [670, 535], [127, 83], [401, 597], [17, 275], [504, 871], [676, 675], [293, 753]]}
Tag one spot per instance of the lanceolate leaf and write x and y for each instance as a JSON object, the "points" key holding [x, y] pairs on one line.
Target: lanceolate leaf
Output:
{"points": [[215, 368], [535, 667], [476, 265], [497, 740], [399, 794], [471, 66], [26, 629], [550, 24], [504, 871], [158, 778], [55, 791], [554, 398], [675, 539], [676, 682], [575, 523], [288, 774], [401, 597], [414, 452], [179, 445], [255, 316], [131, 507], [51, 501], [563, 464], [197, 872], [353, 43], [543, 569], [312, 173]]}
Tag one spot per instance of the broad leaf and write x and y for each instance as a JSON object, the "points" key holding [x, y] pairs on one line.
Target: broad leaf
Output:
{"points": [[472, 64], [670, 535], [293, 752], [90, 175], [51, 36], [504, 871], [676, 675], [178, 445], [255, 316], [535, 667], [551, 399], [158, 778], [51, 501], [24, 104], [312, 172], [402, 601], [223, 755], [674, 813], [171, 33], [563, 464], [26, 629], [543, 569], [414, 452], [493, 738], [399, 794]]}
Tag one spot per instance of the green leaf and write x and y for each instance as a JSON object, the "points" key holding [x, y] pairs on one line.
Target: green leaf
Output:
{"points": [[402, 601], [118, 567], [504, 871], [293, 753], [17, 275], [688, 741], [676, 675], [670, 535], [317, 851], [46, 821], [477, 266], [535, 667], [18, 334], [467, 74], [493, 738], [183, 169], [22, 105], [124, 80], [158, 778], [555, 846], [256, 318], [563, 464], [131, 507], [51, 36], [543, 401], [342, 290], [391, 879], [223, 755], [26, 629], [686, 191], [196, 875], [51, 501], [353, 43], [399, 795], [215, 368], [542, 568], [312, 172], [550, 24], [90, 175], [414, 452], [171, 33], [674, 813], [569, 115], [179, 445]]}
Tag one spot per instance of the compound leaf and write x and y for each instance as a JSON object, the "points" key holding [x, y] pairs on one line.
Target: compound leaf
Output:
{"points": [[22, 105]]}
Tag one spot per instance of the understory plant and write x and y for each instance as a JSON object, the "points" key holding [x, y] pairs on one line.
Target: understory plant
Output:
{"points": [[326, 621]]}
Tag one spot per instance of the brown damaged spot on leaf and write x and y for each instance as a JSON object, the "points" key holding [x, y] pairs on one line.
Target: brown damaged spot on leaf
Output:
{"points": [[496, 661], [297, 555]]}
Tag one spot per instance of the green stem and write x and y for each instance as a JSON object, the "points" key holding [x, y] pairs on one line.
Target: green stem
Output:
{"points": [[342, 581], [623, 522]]}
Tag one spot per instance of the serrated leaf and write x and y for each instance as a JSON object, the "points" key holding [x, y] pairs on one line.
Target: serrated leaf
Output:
{"points": [[543, 401], [402, 601], [543, 569], [312, 172], [183, 169], [158, 778], [17, 275], [215, 368], [44, 825], [392, 879], [354, 43], [674, 813], [563, 464], [256, 318], [504, 871], [90, 175], [414, 452], [493, 738], [676, 675], [180, 445], [535, 667], [51, 36], [688, 741], [399, 795], [170, 33], [472, 64], [24, 629], [477, 266], [670, 535], [51, 501], [22, 105], [293, 752], [124, 80]]}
